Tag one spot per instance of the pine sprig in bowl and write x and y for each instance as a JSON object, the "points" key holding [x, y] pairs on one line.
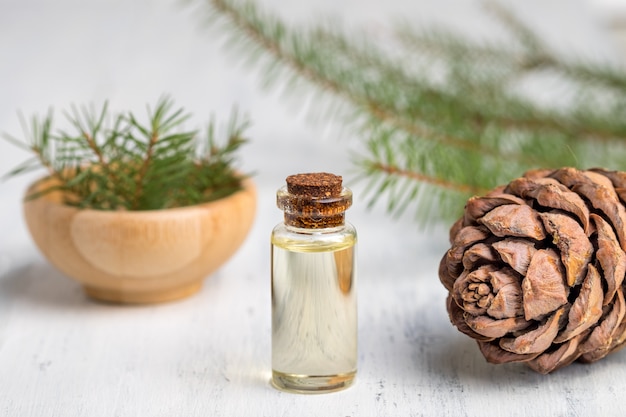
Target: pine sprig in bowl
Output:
{"points": [[116, 162], [138, 212]]}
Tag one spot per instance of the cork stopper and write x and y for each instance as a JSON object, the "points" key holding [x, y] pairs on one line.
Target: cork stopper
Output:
{"points": [[321, 184], [314, 200]]}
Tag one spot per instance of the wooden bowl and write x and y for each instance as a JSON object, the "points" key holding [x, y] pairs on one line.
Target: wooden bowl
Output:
{"points": [[140, 256]]}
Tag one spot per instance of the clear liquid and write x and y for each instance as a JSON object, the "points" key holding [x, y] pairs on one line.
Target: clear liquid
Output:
{"points": [[314, 314]]}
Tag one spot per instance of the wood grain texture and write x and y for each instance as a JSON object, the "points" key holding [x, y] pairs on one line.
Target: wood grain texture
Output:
{"points": [[140, 256]]}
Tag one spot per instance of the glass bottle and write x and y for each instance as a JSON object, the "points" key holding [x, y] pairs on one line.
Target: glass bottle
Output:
{"points": [[314, 311]]}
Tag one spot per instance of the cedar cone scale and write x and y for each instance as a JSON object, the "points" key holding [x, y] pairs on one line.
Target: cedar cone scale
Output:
{"points": [[536, 269]]}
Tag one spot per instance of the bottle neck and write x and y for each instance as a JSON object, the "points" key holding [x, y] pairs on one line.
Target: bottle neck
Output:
{"points": [[314, 221], [312, 212], [309, 230]]}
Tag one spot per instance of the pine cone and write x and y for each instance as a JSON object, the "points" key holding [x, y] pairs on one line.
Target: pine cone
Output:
{"points": [[536, 269]]}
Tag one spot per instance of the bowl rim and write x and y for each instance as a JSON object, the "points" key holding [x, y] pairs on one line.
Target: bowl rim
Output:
{"points": [[247, 186]]}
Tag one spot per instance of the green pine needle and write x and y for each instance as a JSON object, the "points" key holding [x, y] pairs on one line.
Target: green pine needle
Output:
{"points": [[441, 117], [129, 164]]}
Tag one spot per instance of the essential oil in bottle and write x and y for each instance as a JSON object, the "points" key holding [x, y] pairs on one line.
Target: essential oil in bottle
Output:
{"points": [[314, 310]]}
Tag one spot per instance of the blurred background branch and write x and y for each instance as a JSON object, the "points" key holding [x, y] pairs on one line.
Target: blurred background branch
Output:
{"points": [[441, 116]]}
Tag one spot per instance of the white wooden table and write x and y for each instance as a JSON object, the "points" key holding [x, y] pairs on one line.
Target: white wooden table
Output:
{"points": [[62, 354]]}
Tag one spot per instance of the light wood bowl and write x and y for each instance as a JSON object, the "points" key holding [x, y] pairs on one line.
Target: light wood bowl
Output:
{"points": [[140, 256]]}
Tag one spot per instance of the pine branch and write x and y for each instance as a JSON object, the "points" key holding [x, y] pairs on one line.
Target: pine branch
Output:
{"points": [[39, 133], [267, 33], [129, 166], [252, 26], [431, 112], [506, 67], [153, 138], [415, 176]]}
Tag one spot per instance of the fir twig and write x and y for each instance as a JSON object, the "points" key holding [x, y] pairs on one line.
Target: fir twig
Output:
{"points": [[268, 32], [129, 165], [440, 110]]}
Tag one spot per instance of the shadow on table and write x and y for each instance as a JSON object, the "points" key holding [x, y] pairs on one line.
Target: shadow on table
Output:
{"points": [[460, 359], [40, 283], [419, 345]]}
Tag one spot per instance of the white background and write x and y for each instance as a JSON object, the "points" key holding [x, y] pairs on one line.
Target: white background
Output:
{"points": [[64, 355]]}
